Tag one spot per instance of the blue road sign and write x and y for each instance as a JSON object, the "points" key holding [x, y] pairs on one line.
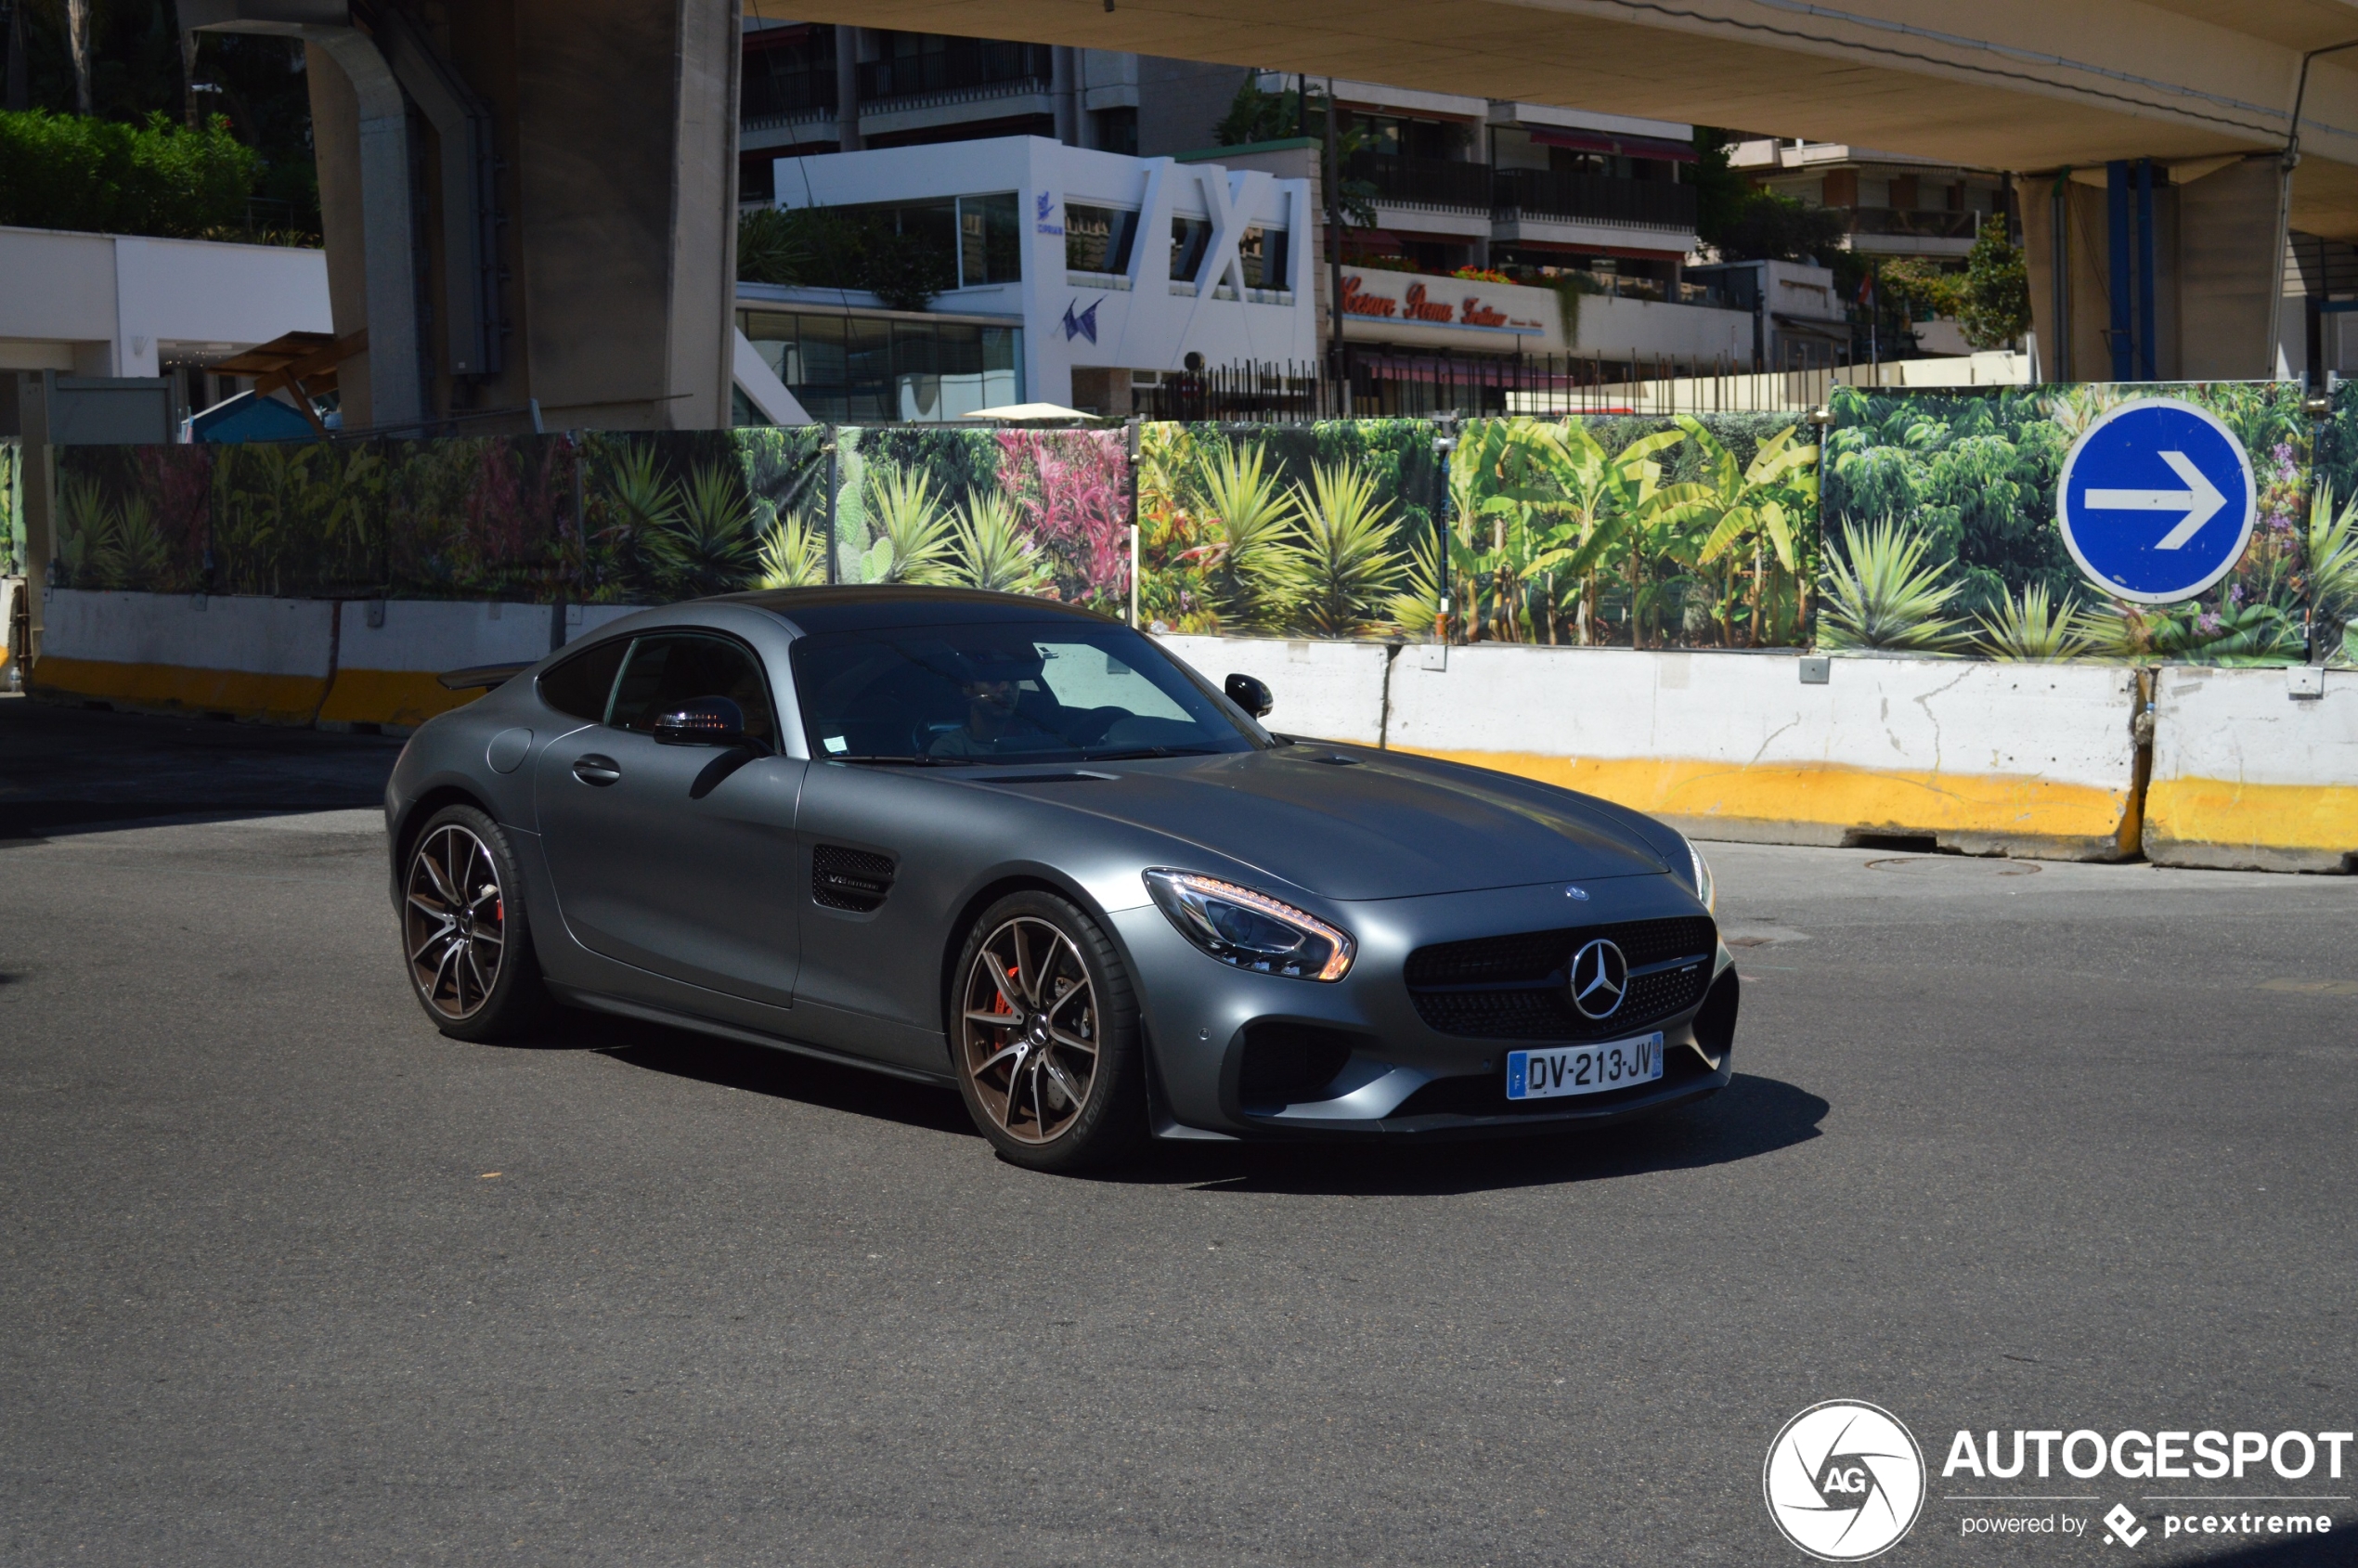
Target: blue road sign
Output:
{"points": [[2156, 500]]}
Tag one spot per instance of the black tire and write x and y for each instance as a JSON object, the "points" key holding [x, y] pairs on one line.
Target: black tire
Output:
{"points": [[1065, 1004], [462, 907]]}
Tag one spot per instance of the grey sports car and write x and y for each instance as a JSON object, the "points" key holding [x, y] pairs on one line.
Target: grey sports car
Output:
{"points": [[1000, 844]]}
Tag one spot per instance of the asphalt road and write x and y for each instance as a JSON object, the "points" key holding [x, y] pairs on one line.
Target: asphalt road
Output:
{"points": [[287, 1278]]}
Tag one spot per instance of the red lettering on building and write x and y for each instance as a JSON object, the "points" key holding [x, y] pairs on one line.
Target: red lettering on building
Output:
{"points": [[1354, 303], [1477, 314], [1419, 308]]}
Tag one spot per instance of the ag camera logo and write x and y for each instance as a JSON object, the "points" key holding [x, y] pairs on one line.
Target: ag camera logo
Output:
{"points": [[1844, 1481]]}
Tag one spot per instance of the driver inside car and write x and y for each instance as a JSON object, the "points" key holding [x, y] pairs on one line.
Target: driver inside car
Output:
{"points": [[992, 682]]}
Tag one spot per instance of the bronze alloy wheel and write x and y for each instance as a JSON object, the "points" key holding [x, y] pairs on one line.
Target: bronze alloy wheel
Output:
{"points": [[1029, 1030], [454, 922]]}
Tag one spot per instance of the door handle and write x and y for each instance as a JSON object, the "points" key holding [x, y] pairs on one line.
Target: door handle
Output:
{"points": [[596, 769]]}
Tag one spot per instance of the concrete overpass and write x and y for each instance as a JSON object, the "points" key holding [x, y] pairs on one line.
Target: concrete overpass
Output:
{"points": [[549, 185]]}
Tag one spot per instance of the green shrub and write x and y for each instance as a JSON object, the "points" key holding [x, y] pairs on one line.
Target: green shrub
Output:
{"points": [[65, 170]]}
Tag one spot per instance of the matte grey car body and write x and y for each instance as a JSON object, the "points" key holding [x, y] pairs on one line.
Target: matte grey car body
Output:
{"points": [[692, 887]]}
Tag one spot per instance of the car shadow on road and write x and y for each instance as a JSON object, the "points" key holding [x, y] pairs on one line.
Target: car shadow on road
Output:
{"points": [[758, 1069], [1752, 1117]]}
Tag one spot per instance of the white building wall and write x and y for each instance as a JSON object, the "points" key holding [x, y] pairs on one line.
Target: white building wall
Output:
{"points": [[107, 305], [1143, 319]]}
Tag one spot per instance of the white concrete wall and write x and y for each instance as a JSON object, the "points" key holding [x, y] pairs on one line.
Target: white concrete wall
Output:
{"points": [[110, 305], [2254, 767], [1330, 690], [1613, 326], [256, 636]]}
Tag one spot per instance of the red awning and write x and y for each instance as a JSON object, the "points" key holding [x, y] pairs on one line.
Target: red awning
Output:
{"points": [[1656, 147]]}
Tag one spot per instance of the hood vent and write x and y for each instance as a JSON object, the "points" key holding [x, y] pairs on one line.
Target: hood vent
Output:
{"points": [[852, 879]]}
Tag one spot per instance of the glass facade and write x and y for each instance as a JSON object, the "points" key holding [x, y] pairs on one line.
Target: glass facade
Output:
{"points": [[870, 370], [1097, 238]]}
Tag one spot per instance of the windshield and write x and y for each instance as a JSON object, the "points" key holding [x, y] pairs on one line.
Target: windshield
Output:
{"points": [[1023, 692]]}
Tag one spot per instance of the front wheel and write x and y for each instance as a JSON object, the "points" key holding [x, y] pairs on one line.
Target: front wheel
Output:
{"points": [[1045, 1027], [463, 928]]}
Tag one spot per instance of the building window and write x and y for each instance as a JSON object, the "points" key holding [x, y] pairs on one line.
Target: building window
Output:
{"points": [[989, 249], [1262, 252], [855, 369], [974, 236], [1118, 131], [1189, 239], [1097, 238]]}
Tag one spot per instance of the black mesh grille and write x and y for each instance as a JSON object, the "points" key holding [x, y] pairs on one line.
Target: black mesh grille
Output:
{"points": [[853, 879], [1512, 988]]}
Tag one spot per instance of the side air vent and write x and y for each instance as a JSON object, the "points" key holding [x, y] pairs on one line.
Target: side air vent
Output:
{"points": [[853, 879]]}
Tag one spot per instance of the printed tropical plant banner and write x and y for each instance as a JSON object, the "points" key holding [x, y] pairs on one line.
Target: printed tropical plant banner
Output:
{"points": [[678, 514], [12, 550], [1682, 532], [1941, 538], [2332, 535], [1322, 530], [1043, 513]]}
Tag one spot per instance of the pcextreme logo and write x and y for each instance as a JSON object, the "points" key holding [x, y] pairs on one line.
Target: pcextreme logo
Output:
{"points": [[1844, 1481]]}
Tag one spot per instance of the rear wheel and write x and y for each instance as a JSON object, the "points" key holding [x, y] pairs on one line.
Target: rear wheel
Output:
{"points": [[464, 930], [1045, 1027]]}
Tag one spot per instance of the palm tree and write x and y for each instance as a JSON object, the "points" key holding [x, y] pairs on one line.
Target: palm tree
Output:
{"points": [[1879, 594], [793, 554], [992, 552], [2029, 627], [1246, 563], [707, 544], [1345, 565], [2333, 571], [912, 538]]}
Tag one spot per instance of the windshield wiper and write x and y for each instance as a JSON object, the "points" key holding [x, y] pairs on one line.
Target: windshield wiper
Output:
{"points": [[905, 760], [1145, 751]]}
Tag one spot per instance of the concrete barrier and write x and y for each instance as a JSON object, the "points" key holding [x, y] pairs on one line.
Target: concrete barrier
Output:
{"points": [[268, 659], [286, 661], [1332, 690], [1989, 759], [2255, 769]]}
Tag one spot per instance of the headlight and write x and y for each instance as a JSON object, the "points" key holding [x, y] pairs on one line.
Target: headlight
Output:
{"points": [[1706, 889], [1251, 930]]}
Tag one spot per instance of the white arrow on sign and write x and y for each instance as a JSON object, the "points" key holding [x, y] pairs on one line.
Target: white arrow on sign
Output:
{"points": [[2201, 500]]}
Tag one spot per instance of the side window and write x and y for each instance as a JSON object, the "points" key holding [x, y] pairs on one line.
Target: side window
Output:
{"points": [[667, 672], [578, 686]]}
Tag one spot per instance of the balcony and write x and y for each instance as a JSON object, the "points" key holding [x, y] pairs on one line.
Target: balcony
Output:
{"points": [[780, 95], [1905, 223], [969, 68], [1539, 193], [1403, 181]]}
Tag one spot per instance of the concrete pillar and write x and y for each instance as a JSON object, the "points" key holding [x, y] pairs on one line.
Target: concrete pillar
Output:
{"points": [[1064, 91], [2083, 352], [626, 175], [847, 89], [335, 148]]}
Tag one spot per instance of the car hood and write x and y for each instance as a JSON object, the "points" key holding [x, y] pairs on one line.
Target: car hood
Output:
{"points": [[1374, 827]]}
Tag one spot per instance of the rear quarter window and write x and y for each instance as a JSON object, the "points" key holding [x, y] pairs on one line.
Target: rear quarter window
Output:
{"points": [[578, 687]]}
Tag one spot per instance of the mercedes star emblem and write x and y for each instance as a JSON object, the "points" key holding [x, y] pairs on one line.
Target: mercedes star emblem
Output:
{"points": [[1599, 979]]}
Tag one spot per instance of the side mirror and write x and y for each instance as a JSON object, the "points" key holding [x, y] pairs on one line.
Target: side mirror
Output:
{"points": [[706, 721], [1248, 694]]}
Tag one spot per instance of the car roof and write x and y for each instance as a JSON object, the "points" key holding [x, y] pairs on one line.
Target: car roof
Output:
{"points": [[866, 607]]}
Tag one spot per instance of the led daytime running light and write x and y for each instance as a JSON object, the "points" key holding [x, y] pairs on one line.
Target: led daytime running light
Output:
{"points": [[1172, 888]]}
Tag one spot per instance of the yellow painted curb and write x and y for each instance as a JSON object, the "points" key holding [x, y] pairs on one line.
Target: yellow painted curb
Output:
{"points": [[1993, 805], [276, 699], [2297, 820], [389, 696]]}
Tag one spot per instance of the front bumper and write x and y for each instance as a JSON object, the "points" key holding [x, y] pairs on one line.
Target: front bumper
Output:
{"points": [[1402, 1077]]}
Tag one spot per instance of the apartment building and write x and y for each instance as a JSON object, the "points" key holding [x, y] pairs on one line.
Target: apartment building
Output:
{"points": [[1894, 205]]}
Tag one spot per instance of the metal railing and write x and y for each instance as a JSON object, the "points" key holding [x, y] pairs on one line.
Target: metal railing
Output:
{"points": [[1541, 193], [1424, 182], [1380, 382], [968, 63]]}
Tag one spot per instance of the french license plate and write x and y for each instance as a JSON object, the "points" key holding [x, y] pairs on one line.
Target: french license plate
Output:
{"points": [[1582, 1070]]}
